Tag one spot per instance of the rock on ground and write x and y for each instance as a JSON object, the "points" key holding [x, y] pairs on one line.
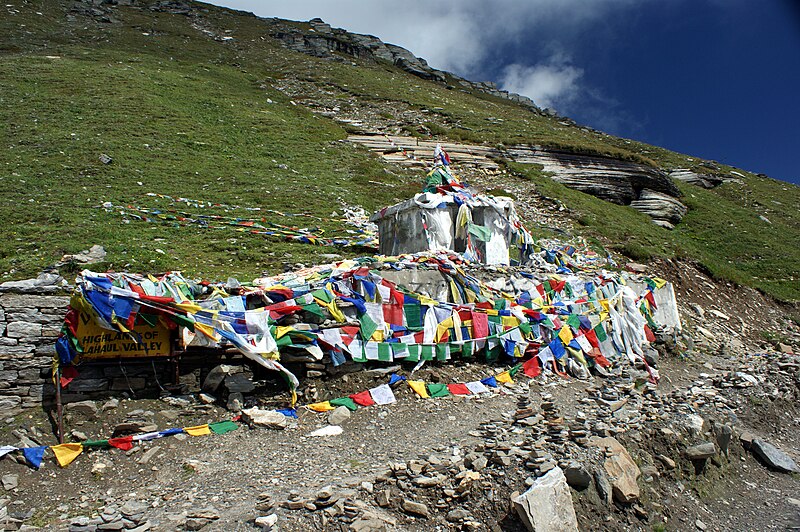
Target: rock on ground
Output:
{"points": [[547, 505], [621, 469], [773, 457]]}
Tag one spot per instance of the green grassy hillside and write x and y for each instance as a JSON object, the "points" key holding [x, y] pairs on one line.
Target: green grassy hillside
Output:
{"points": [[183, 113]]}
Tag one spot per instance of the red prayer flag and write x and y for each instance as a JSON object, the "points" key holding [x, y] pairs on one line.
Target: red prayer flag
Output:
{"points": [[458, 388], [68, 374], [531, 367], [557, 286], [599, 359], [393, 314], [649, 334], [592, 337], [480, 325], [362, 398], [124, 443]]}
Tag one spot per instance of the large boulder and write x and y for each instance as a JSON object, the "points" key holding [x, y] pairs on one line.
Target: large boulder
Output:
{"points": [[621, 469], [256, 417], [773, 457], [547, 505]]}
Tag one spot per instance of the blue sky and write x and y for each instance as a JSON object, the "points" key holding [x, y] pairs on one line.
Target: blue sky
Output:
{"points": [[718, 79]]}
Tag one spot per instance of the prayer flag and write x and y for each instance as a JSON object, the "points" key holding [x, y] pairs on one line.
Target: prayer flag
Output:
{"points": [[600, 332], [199, 430], [476, 387], [382, 395], [67, 452], [458, 389], [125, 443], [490, 381], [531, 367], [362, 398], [438, 390], [557, 348], [566, 335], [419, 387], [344, 401], [324, 406], [223, 427], [504, 377], [34, 455], [5, 449]]}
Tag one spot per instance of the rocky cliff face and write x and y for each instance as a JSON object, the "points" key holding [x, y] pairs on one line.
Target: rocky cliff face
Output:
{"points": [[646, 189], [321, 40]]}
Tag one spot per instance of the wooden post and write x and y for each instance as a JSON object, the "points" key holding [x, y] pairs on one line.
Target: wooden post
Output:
{"points": [[59, 407], [175, 354]]}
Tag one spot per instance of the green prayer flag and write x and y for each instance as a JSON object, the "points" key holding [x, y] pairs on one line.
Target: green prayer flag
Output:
{"points": [[322, 295], [574, 321], [525, 327], [149, 319], [315, 309], [493, 354], [96, 444], [413, 312], [368, 327], [183, 321], [427, 352], [413, 353], [438, 390], [513, 371], [358, 355], [441, 352], [223, 427], [284, 341], [344, 401], [600, 331], [385, 352], [481, 232]]}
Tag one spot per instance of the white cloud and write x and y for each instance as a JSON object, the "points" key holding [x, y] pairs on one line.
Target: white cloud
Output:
{"points": [[456, 35], [554, 84]]}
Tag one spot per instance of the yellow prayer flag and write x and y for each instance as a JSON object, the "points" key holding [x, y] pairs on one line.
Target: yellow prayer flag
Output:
{"points": [[207, 330], [659, 282], [566, 334], [504, 377], [189, 306], [282, 330], [324, 406], [67, 452], [419, 387], [441, 328], [333, 309], [509, 322], [199, 430], [577, 354]]}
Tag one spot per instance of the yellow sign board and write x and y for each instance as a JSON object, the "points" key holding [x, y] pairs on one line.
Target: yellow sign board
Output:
{"points": [[98, 342]]}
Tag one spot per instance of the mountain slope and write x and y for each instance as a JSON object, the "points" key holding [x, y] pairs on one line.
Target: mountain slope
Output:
{"points": [[201, 102]]}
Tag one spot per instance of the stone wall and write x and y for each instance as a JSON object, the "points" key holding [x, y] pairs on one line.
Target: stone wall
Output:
{"points": [[29, 326], [30, 321]]}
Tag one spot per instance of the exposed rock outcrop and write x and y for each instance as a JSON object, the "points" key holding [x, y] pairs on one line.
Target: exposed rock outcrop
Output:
{"points": [[704, 180], [646, 189], [321, 40]]}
